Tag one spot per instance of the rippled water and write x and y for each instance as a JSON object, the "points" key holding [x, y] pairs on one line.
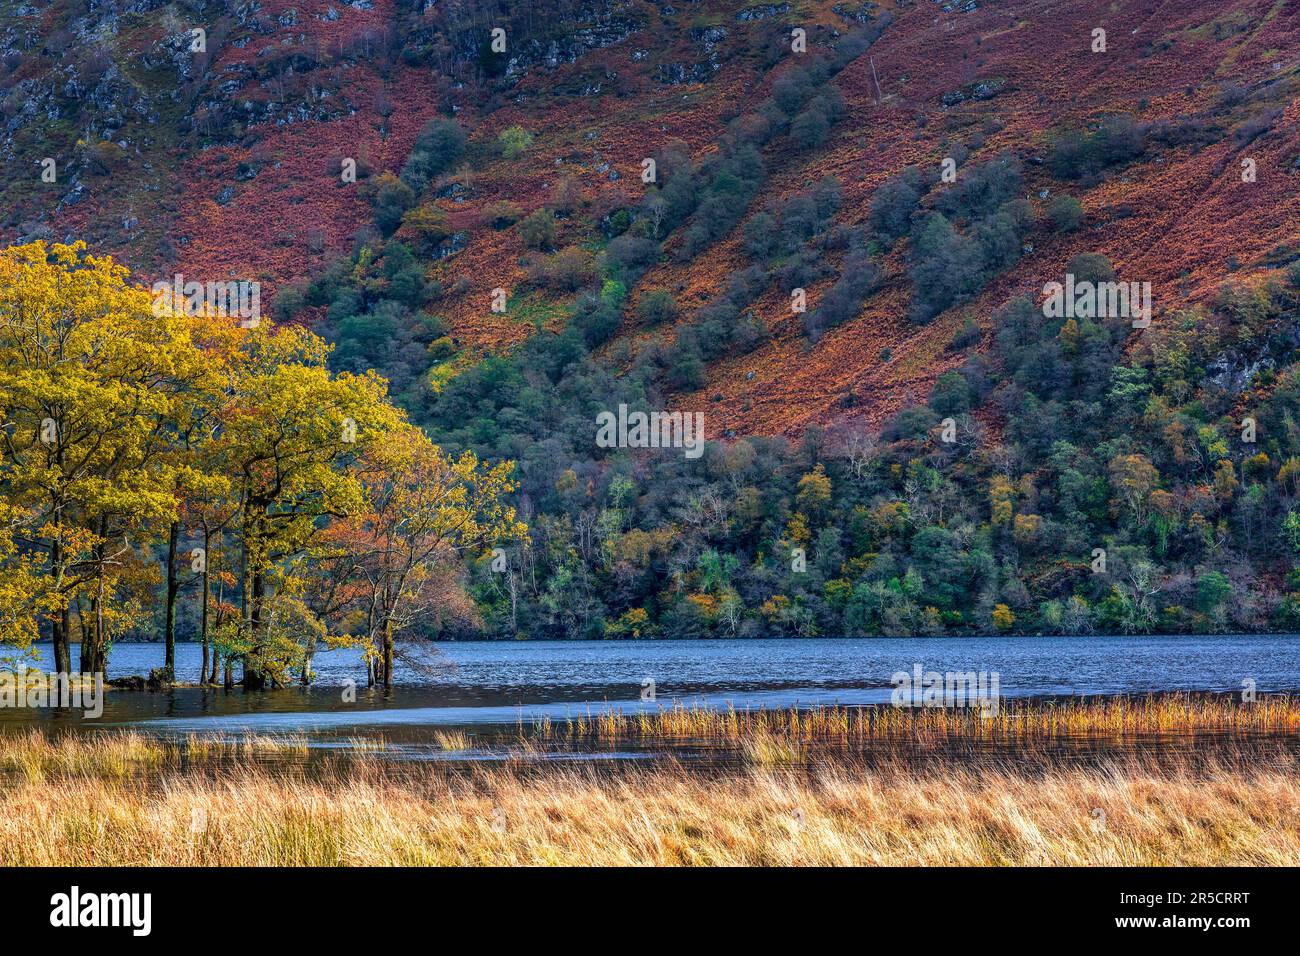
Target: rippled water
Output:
{"points": [[484, 685]]}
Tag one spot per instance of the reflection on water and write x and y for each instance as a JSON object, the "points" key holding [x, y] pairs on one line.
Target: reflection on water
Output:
{"points": [[490, 688]]}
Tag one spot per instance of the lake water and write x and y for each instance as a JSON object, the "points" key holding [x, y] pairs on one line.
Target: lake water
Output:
{"points": [[485, 684]]}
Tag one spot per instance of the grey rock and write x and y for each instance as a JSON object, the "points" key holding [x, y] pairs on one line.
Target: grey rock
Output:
{"points": [[763, 12]]}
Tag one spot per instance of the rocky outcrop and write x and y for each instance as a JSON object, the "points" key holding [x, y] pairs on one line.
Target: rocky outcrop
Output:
{"points": [[764, 12]]}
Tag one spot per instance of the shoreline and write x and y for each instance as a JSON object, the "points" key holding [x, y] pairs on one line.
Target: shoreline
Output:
{"points": [[813, 638]]}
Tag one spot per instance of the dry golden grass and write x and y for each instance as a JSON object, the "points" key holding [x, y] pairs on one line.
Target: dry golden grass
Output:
{"points": [[83, 809], [451, 740], [204, 747], [1016, 720], [33, 756]]}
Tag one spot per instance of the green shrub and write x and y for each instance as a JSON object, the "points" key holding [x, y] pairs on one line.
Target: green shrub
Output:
{"points": [[1076, 154], [1065, 213], [951, 394], [501, 214], [1091, 267], [537, 230], [566, 271], [893, 204], [657, 307], [1293, 275], [513, 140], [390, 198], [439, 145]]}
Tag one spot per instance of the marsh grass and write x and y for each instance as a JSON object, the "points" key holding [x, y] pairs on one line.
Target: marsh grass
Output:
{"points": [[1016, 721], [209, 747], [34, 756], [1128, 812], [795, 797], [453, 740]]}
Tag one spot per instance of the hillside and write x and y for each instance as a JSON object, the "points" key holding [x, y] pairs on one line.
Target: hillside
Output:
{"points": [[925, 448], [225, 164]]}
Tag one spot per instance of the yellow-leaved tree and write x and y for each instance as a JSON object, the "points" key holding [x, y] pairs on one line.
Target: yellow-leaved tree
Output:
{"points": [[86, 371], [292, 440], [425, 509], [144, 450], [21, 586]]}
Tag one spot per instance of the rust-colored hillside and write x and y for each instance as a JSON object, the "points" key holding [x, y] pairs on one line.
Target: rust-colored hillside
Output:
{"points": [[225, 163]]}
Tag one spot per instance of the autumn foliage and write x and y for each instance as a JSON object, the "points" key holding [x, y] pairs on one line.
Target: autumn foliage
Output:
{"points": [[131, 430]]}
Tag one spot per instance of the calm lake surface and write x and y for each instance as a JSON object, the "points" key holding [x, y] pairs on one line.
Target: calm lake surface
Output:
{"points": [[483, 685]]}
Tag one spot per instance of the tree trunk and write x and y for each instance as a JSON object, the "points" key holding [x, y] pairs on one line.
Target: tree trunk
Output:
{"points": [[66, 616], [216, 654], [308, 654], [59, 637], [92, 645], [173, 587], [388, 653], [203, 616], [94, 638], [254, 679], [60, 633]]}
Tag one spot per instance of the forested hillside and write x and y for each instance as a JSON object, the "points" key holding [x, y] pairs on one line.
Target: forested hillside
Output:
{"points": [[830, 228]]}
